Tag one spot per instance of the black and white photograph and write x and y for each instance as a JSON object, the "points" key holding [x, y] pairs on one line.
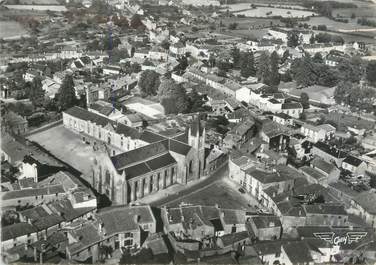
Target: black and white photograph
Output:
{"points": [[239, 132]]}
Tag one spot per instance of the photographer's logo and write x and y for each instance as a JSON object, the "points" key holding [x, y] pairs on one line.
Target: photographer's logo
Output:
{"points": [[346, 239]]}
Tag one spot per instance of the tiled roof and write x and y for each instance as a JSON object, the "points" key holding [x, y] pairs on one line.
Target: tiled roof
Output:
{"points": [[266, 177], [86, 236], [325, 209], [16, 230], [323, 165], [330, 150], [32, 192], [292, 106], [233, 216], [352, 160], [122, 219], [234, 238], [313, 173], [297, 252], [266, 221]]}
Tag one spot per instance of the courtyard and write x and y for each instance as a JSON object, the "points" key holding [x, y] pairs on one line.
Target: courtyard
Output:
{"points": [[66, 146]]}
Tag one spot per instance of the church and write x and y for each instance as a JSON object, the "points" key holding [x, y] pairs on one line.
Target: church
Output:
{"points": [[130, 164]]}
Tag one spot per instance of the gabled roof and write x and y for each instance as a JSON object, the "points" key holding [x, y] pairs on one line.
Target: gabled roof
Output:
{"points": [[266, 221], [138, 155], [334, 152], [352, 160], [33, 192], [123, 219], [323, 165], [266, 177], [16, 230], [324, 209], [179, 147], [292, 106], [86, 115], [151, 137], [297, 252]]}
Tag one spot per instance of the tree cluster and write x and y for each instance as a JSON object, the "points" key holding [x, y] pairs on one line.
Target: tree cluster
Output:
{"points": [[306, 72], [66, 97], [149, 83], [328, 38], [267, 71], [173, 97], [355, 95]]}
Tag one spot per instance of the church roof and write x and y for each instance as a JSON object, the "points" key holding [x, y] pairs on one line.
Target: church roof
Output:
{"points": [[149, 166], [138, 155]]}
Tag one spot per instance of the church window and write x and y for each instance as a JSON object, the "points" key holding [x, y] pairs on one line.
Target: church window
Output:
{"points": [[108, 177]]}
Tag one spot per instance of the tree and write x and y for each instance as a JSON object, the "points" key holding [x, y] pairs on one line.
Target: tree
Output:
{"points": [[351, 70], [36, 92], [149, 83], [136, 22], [247, 64], [371, 72], [9, 217], [67, 95], [304, 99], [317, 58], [232, 26], [173, 97], [165, 44], [301, 70], [312, 39], [118, 54], [293, 39], [274, 74], [285, 56], [235, 53], [196, 102], [263, 71], [122, 22]]}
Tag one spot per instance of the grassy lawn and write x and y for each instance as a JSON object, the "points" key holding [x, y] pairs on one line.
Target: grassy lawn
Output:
{"points": [[220, 193]]}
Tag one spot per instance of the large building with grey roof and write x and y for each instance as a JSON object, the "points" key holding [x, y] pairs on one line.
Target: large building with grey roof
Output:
{"points": [[137, 163]]}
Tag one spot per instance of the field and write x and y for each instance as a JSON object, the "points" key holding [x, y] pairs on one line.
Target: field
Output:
{"points": [[364, 9], [11, 29], [33, 2], [58, 8], [245, 9]]}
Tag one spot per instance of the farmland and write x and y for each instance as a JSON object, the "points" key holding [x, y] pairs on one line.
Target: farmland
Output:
{"points": [[38, 7], [11, 29], [263, 11]]}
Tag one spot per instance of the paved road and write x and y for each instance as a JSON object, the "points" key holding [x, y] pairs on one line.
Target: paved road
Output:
{"points": [[219, 174]]}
